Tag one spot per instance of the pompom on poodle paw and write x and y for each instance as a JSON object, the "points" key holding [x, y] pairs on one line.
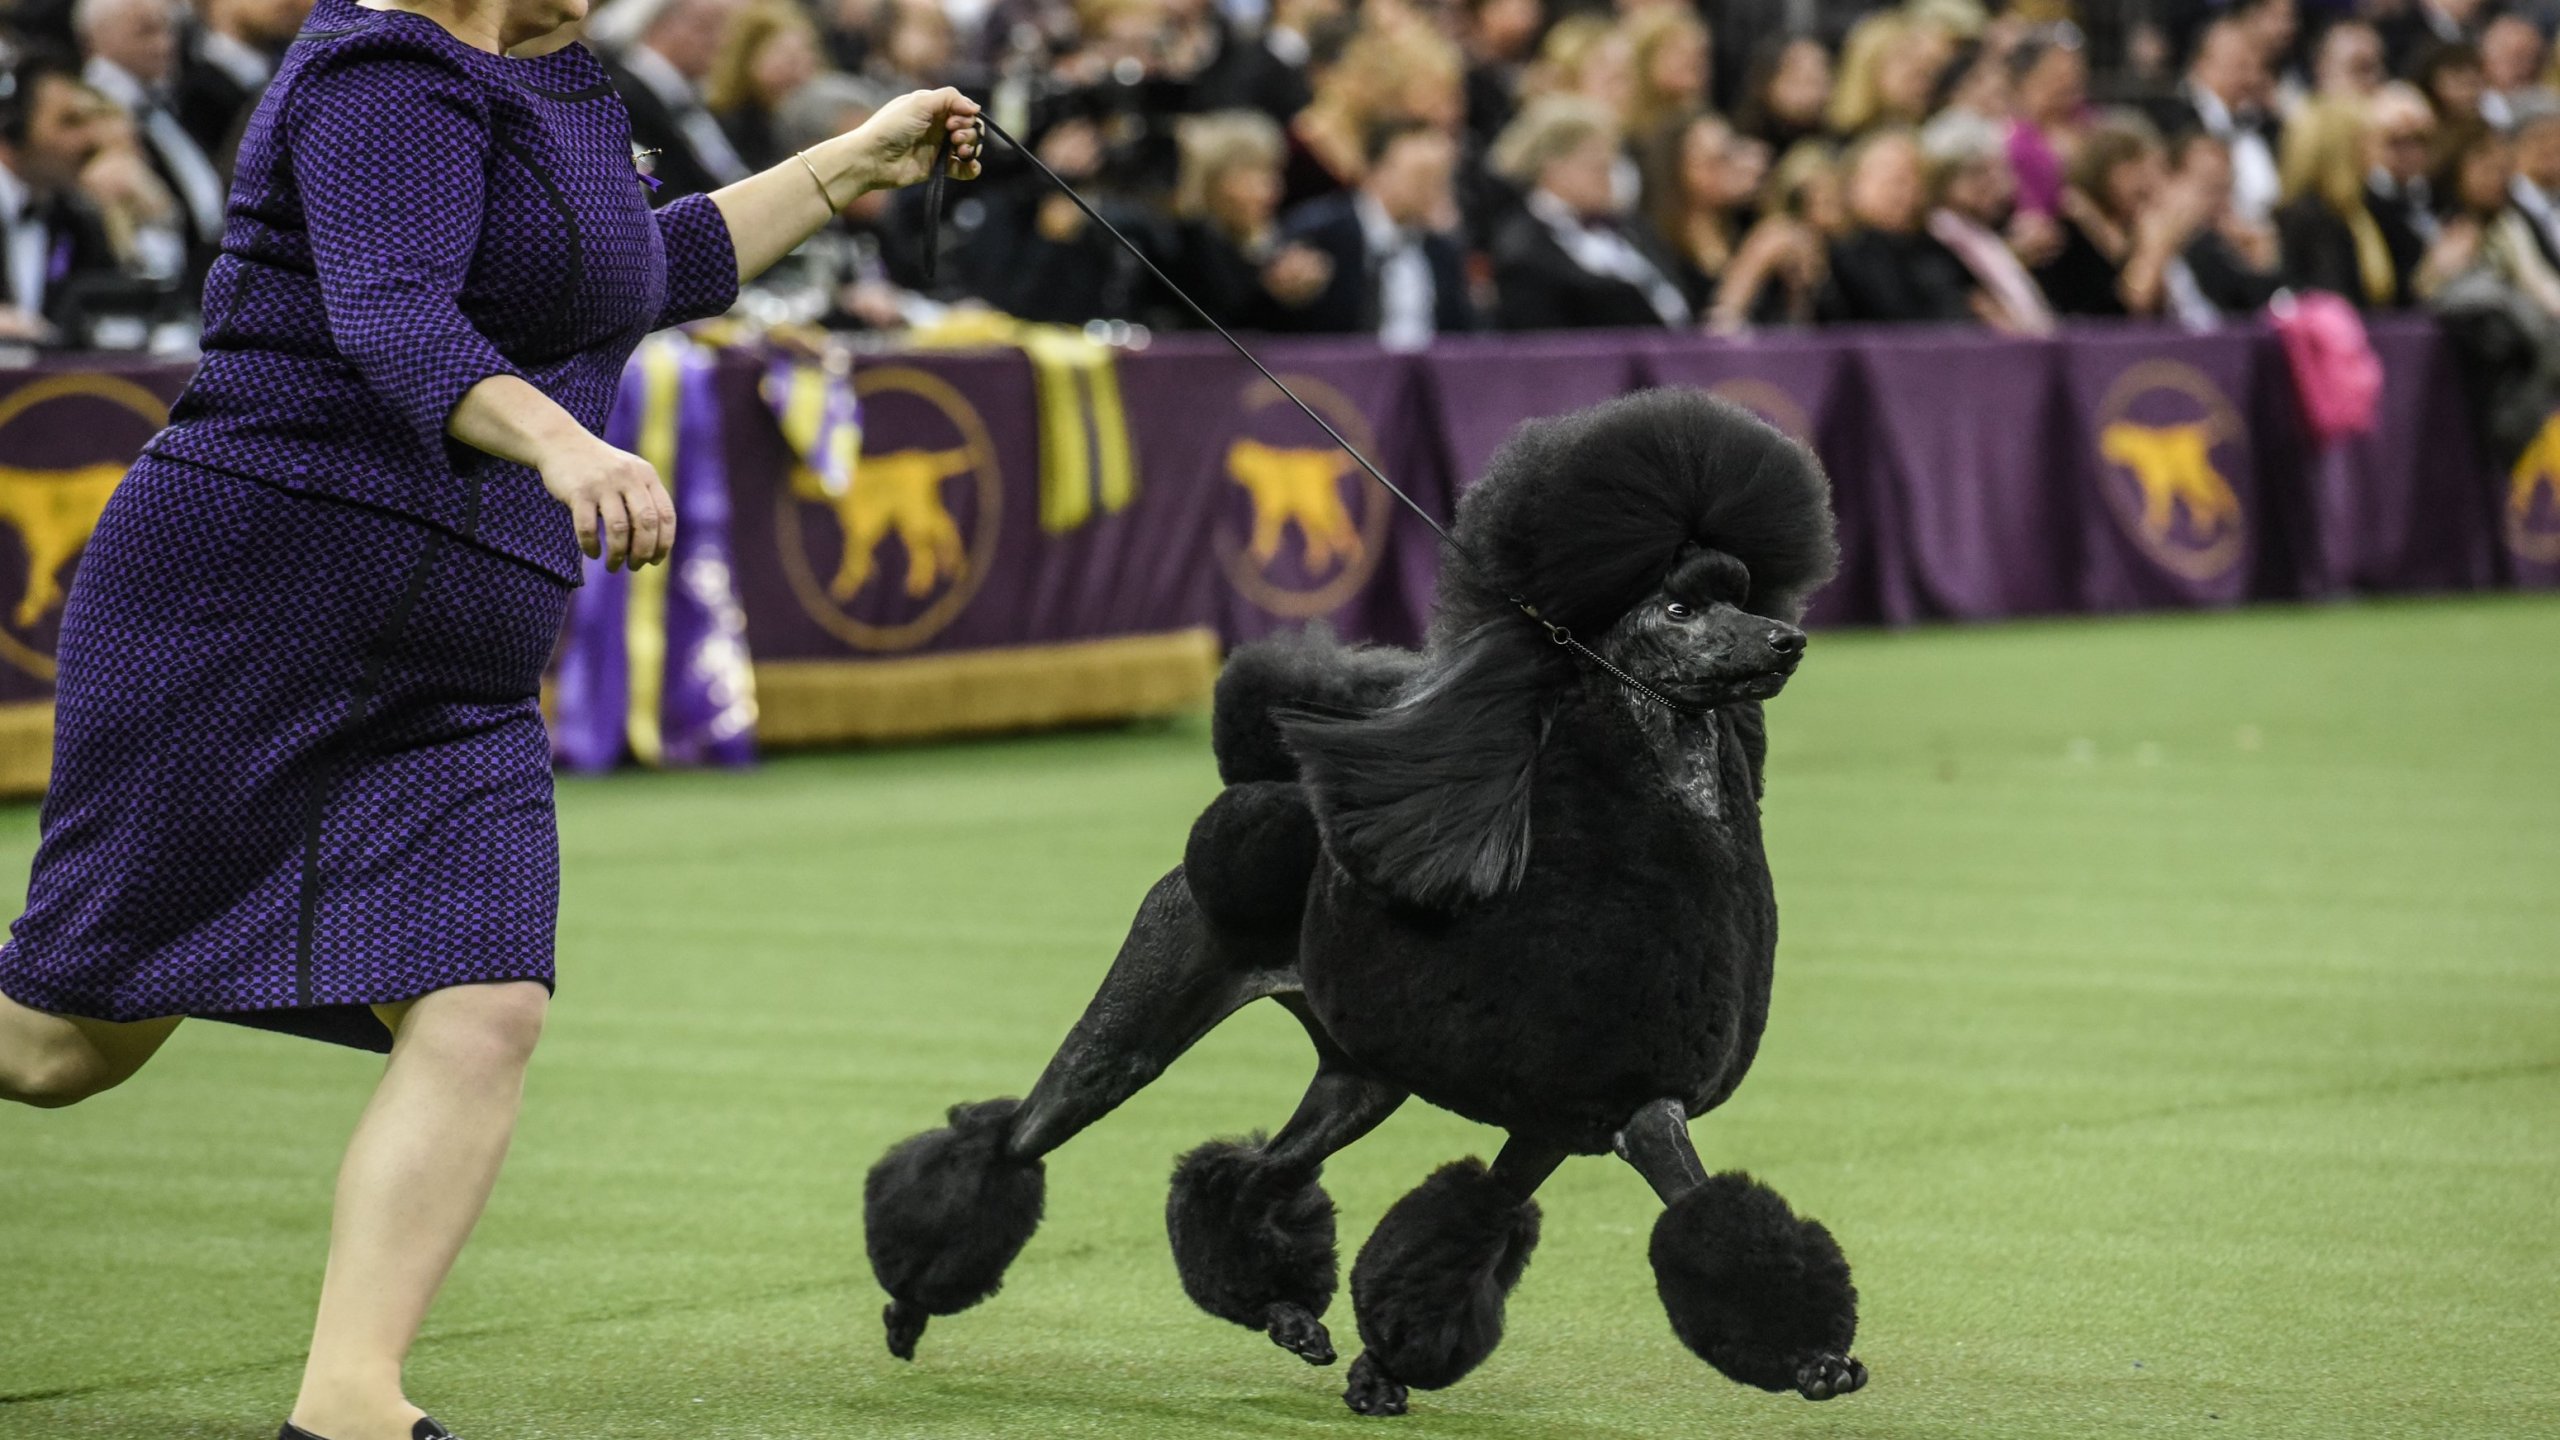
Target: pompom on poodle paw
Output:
{"points": [[1827, 1375], [1293, 1329], [1373, 1391]]}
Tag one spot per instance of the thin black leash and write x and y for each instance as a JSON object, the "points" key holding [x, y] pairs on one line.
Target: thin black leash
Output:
{"points": [[939, 182]]}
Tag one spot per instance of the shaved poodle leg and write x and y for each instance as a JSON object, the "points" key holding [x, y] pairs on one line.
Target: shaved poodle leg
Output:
{"points": [[946, 1212], [1172, 983], [1251, 1225], [1755, 1290]]}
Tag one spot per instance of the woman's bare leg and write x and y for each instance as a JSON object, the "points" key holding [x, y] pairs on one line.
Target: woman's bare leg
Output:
{"points": [[416, 1176], [51, 1061]]}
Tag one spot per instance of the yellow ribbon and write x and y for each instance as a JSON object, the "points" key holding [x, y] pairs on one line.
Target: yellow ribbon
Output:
{"points": [[644, 615], [804, 420], [1084, 428]]}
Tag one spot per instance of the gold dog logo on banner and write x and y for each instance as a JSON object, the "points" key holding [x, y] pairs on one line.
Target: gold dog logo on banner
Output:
{"points": [[1339, 514], [2532, 521], [899, 494], [906, 556], [2159, 428], [52, 512]]}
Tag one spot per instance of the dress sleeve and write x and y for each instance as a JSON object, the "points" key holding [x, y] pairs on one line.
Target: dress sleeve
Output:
{"points": [[702, 261], [390, 154]]}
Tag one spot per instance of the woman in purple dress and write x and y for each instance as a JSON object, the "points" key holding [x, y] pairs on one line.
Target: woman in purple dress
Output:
{"points": [[300, 780]]}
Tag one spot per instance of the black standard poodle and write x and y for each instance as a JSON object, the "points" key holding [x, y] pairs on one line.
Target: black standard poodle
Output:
{"points": [[1489, 874]]}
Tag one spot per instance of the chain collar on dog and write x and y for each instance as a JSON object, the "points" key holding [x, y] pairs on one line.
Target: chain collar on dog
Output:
{"points": [[933, 196]]}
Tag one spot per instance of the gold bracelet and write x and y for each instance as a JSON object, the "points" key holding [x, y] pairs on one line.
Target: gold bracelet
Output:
{"points": [[824, 193]]}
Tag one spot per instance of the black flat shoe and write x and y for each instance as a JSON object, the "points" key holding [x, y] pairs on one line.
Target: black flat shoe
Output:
{"points": [[425, 1429]]}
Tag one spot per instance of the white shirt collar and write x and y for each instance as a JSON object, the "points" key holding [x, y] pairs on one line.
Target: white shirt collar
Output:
{"points": [[2215, 116], [1558, 215], [1377, 227], [116, 83], [14, 196], [1607, 252], [246, 64], [663, 79]]}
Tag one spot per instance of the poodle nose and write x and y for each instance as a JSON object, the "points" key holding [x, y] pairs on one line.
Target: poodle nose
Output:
{"points": [[1787, 640]]}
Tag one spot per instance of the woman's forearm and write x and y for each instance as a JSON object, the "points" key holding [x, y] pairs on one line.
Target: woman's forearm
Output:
{"points": [[509, 418], [771, 212]]}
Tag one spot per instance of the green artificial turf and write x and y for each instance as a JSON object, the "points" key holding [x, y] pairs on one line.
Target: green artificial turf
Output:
{"points": [[2168, 1024]]}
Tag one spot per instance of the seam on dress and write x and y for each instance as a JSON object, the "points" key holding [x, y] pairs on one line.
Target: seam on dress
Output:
{"points": [[359, 705]]}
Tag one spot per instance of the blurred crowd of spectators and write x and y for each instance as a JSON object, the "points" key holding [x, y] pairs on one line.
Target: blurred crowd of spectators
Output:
{"points": [[1407, 168]]}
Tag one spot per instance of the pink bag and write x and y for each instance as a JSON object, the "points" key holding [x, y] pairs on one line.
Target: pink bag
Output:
{"points": [[2334, 368]]}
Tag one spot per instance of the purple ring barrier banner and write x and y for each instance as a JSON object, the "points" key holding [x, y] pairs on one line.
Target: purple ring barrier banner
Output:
{"points": [[1053, 497]]}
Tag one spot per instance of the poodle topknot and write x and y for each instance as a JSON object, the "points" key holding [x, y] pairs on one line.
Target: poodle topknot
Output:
{"points": [[1583, 515]]}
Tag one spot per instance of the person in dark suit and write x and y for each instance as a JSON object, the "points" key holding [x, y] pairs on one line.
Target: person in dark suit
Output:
{"points": [[2418, 26], [129, 50], [1223, 244], [2536, 187], [2226, 95], [52, 247], [2331, 241], [1395, 273], [2401, 142], [1566, 259], [1889, 269], [225, 65], [2124, 225], [660, 77], [2231, 266]]}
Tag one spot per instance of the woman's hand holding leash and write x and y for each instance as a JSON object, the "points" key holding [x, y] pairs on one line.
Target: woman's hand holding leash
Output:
{"points": [[769, 214], [903, 135]]}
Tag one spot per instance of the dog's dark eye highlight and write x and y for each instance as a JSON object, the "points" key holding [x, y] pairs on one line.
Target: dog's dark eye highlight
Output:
{"points": [[1677, 611]]}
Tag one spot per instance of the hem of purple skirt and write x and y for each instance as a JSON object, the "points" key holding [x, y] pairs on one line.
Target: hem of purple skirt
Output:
{"points": [[351, 1023]]}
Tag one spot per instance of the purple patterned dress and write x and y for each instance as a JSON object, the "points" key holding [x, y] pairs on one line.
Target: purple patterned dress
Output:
{"points": [[298, 764]]}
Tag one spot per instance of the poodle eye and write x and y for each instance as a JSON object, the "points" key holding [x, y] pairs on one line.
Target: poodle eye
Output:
{"points": [[1677, 611]]}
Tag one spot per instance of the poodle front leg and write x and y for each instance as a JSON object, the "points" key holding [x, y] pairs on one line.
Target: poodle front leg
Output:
{"points": [[1251, 1224], [1430, 1286], [1755, 1290], [946, 1212]]}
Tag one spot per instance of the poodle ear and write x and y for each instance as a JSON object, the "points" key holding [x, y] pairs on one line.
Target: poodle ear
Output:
{"points": [[1751, 723], [1428, 798]]}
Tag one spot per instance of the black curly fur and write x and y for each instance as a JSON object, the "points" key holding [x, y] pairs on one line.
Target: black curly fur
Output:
{"points": [[1427, 798], [1757, 1291], [1429, 1287], [945, 1213], [1425, 795], [1250, 1234], [1250, 855], [1583, 514], [1290, 674]]}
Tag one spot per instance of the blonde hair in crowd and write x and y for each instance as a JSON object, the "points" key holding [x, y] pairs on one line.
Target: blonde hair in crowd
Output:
{"points": [[1216, 145], [1550, 128]]}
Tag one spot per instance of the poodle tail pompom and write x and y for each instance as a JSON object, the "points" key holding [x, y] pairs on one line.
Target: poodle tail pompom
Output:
{"points": [[1430, 1285], [1254, 1242], [944, 1213], [1754, 1289], [1310, 673], [1251, 855]]}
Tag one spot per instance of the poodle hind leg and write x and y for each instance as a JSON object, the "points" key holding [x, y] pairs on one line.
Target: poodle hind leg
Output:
{"points": [[1430, 1286], [946, 1212], [1251, 1224], [1757, 1291]]}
